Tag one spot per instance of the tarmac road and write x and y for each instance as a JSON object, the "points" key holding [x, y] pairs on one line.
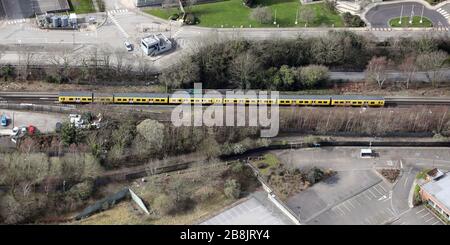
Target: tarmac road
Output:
{"points": [[380, 15]]}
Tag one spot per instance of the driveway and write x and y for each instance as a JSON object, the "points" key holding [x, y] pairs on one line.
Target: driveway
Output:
{"points": [[380, 15]]}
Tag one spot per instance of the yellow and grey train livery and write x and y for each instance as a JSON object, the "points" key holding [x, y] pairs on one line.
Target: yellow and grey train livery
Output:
{"points": [[180, 98]]}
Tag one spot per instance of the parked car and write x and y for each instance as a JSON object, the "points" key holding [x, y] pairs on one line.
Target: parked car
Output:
{"points": [[4, 120], [128, 46]]}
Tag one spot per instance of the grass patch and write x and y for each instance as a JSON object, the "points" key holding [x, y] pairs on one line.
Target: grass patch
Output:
{"points": [[422, 174], [266, 163], [232, 13], [417, 200], [415, 23], [82, 6]]}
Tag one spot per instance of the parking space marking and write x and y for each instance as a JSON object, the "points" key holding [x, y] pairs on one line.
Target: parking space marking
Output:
{"points": [[368, 197], [372, 193], [437, 222], [420, 211], [375, 188], [351, 204], [346, 207], [392, 212], [358, 202], [339, 208], [381, 186], [406, 181], [429, 219], [424, 215]]}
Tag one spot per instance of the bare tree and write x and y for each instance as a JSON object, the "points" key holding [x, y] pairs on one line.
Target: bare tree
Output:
{"points": [[244, 70], [408, 68], [377, 70], [307, 15], [261, 14], [431, 63]]}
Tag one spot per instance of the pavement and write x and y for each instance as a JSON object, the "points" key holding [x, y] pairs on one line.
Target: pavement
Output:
{"points": [[380, 15], [357, 194], [417, 216], [257, 210], [124, 22], [44, 122]]}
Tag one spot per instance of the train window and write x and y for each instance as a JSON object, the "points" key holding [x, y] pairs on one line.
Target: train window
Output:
{"points": [[119, 99], [138, 99], [70, 99]]}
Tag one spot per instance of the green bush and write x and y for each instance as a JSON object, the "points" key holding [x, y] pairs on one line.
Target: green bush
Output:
{"points": [[232, 189], [190, 19], [352, 20], [174, 17]]}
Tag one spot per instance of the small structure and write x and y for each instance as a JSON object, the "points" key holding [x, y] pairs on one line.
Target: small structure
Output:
{"points": [[58, 22], [366, 153], [436, 192], [155, 44]]}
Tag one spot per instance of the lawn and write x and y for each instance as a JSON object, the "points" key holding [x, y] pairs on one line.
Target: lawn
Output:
{"points": [[269, 161], [231, 13], [415, 23], [82, 6]]}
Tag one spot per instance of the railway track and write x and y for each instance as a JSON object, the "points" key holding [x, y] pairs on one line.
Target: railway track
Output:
{"points": [[52, 97]]}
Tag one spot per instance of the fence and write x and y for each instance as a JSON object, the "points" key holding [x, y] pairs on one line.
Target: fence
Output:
{"points": [[274, 199], [33, 107]]}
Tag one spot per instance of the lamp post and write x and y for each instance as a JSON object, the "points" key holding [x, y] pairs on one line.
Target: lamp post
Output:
{"points": [[411, 17], [421, 16], [401, 16], [275, 20], [296, 15]]}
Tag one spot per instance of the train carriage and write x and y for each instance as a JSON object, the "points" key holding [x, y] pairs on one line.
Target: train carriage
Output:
{"points": [[140, 98], [106, 98], [357, 100], [313, 100], [75, 97]]}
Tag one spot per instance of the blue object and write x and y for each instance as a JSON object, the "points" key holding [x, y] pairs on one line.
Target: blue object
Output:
{"points": [[4, 121]]}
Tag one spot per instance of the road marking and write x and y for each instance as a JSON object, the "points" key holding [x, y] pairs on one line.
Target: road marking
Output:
{"points": [[382, 198], [401, 164], [346, 207], [351, 203], [375, 188], [436, 222], [420, 211], [392, 212], [368, 197], [372, 194], [424, 215], [339, 208], [382, 187], [429, 219], [402, 223], [406, 181]]}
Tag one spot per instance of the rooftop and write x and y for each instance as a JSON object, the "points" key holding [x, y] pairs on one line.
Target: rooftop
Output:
{"points": [[439, 189]]}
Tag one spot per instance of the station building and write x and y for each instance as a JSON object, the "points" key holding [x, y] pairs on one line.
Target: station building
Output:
{"points": [[436, 191]]}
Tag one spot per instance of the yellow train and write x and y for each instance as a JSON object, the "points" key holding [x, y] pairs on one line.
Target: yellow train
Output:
{"points": [[159, 98]]}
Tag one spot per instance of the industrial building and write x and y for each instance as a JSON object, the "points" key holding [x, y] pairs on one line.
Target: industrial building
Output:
{"points": [[14, 9], [155, 44], [436, 191]]}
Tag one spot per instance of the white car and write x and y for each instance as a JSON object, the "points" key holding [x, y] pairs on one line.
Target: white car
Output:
{"points": [[128, 46]]}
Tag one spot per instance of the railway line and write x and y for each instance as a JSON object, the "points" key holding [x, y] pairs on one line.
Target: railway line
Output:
{"points": [[52, 98]]}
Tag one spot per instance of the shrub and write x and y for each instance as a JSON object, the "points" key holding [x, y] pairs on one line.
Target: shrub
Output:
{"points": [[190, 19], [262, 165], [232, 189], [352, 20], [174, 17], [163, 203], [314, 175], [261, 14]]}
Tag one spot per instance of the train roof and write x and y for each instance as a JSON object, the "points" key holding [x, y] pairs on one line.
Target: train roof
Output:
{"points": [[103, 94], [76, 93], [305, 97], [142, 95], [356, 97]]}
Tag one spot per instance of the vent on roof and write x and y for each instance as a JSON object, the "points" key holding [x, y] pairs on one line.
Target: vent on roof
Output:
{"points": [[435, 174]]}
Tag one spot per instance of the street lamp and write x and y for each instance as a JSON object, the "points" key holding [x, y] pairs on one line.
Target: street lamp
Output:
{"points": [[275, 20], [401, 16], [411, 17], [296, 15], [421, 16]]}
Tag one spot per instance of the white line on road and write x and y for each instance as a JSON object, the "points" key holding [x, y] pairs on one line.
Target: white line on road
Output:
{"points": [[349, 201], [372, 194], [429, 219], [420, 211], [346, 207], [406, 181], [424, 215], [436, 222], [368, 197], [343, 213], [375, 188]]}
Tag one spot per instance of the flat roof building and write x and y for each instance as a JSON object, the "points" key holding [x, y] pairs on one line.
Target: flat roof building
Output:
{"points": [[437, 192], [155, 44], [18, 9]]}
